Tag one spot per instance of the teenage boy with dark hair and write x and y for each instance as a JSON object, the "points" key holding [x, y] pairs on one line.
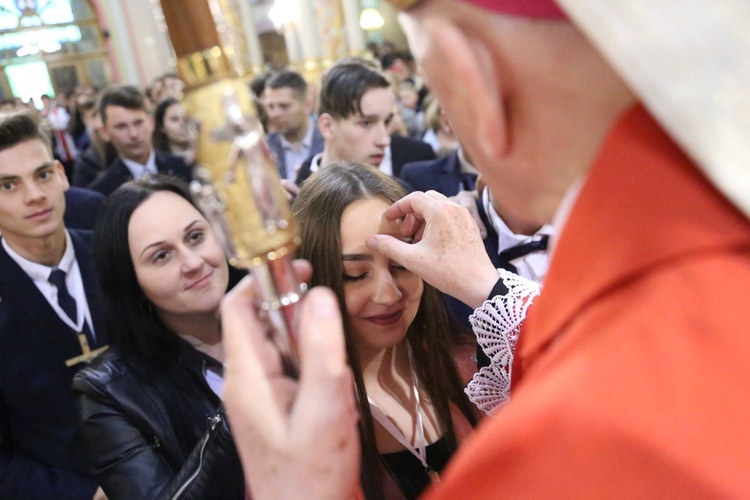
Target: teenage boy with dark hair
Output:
{"points": [[128, 126], [50, 321], [356, 106]]}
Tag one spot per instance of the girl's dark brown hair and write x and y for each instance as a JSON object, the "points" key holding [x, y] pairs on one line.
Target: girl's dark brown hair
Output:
{"points": [[319, 207]]}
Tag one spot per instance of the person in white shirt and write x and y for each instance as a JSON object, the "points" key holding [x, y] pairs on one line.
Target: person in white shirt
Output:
{"points": [[356, 107], [289, 107], [128, 126], [50, 321]]}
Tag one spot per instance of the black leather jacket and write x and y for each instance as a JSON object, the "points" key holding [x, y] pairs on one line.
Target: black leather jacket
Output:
{"points": [[132, 442]]}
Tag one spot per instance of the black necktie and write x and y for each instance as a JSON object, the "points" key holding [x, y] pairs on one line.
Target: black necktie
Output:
{"points": [[510, 254], [66, 301], [518, 251]]}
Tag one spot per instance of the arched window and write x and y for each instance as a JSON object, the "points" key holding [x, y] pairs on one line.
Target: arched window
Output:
{"points": [[49, 47]]}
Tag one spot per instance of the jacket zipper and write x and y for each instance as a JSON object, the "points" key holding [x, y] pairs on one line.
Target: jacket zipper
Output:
{"points": [[214, 421]]}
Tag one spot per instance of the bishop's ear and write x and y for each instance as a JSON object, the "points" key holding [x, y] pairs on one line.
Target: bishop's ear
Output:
{"points": [[463, 74]]}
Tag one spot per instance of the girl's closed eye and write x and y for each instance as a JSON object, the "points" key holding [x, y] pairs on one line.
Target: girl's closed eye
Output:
{"points": [[354, 277]]}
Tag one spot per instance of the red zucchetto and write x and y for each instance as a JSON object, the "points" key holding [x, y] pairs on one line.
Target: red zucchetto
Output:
{"points": [[539, 9]]}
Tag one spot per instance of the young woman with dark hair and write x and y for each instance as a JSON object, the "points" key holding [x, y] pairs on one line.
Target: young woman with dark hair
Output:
{"points": [[172, 130], [151, 404], [400, 341]]}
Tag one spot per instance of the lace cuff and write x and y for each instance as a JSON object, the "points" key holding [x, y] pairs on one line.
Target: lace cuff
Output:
{"points": [[497, 323]]}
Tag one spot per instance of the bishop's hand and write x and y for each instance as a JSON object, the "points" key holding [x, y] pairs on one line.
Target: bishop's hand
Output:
{"points": [[446, 251]]}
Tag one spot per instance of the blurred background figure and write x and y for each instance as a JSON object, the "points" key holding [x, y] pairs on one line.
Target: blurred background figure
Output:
{"points": [[258, 86], [64, 148], [289, 109], [439, 133], [411, 111], [174, 131]]}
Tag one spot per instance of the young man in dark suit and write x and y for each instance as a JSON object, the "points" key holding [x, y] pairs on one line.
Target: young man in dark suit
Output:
{"points": [[128, 126], [296, 136], [50, 321], [356, 107]]}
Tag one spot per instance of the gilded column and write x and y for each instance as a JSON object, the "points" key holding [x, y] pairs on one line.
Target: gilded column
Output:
{"points": [[309, 35], [355, 37], [254, 54], [297, 20], [330, 20]]}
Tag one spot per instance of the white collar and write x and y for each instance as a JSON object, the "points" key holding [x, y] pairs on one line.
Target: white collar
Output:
{"points": [[139, 170], [40, 272], [506, 237], [315, 163]]}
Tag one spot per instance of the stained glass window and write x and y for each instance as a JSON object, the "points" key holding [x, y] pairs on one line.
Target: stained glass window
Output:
{"points": [[28, 27], [56, 34]]}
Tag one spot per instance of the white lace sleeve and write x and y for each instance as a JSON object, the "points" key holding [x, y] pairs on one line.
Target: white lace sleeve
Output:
{"points": [[496, 323]]}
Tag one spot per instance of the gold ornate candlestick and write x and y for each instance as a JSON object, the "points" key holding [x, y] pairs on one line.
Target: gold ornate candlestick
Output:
{"points": [[238, 186]]}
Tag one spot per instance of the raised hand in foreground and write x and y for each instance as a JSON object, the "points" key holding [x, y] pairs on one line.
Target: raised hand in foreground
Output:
{"points": [[447, 250], [295, 440]]}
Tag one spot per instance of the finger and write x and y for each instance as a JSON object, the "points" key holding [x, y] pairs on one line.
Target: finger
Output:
{"points": [[247, 313], [325, 409], [436, 195], [411, 225], [303, 269], [417, 203], [321, 343], [393, 248], [419, 234], [255, 411], [325, 385]]}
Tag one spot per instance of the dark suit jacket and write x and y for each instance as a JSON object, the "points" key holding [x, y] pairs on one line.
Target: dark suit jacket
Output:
{"points": [[274, 143], [82, 207], [118, 174], [87, 167], [442, 175], [41, 453], [403, 151]]}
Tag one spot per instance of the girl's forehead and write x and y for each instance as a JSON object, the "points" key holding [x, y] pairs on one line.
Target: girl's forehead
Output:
{"points": [[364, 218]]}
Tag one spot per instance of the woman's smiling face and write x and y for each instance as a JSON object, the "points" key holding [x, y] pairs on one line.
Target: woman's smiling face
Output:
{"points": [[180, 265], [382, 298]]}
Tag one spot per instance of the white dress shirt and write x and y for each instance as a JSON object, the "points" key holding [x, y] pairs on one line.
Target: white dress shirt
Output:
{"points": [[39, 274], [296, 154], [533, 266], [386, 165], [137, 170]]}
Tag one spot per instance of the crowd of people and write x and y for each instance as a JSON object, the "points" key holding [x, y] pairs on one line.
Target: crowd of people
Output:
{"points": [[532, 228], [144, 418]]}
